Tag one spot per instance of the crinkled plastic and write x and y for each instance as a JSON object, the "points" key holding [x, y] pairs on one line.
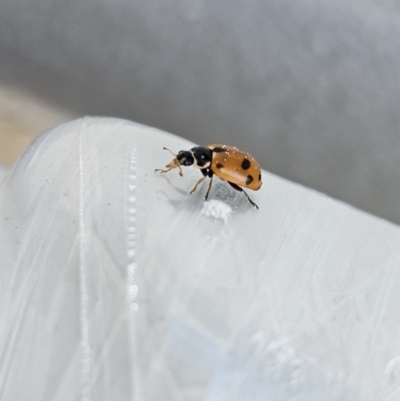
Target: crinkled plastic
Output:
{"points": [[116, 284]]}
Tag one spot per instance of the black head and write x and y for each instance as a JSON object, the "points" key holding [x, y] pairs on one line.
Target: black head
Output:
{"points": [[202, 156], [185, 158]]}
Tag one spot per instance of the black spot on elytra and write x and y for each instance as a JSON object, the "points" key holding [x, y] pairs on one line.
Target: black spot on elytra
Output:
{"points": [[219, 165], [249, 180], [218, 150], [259, 177], [246, 164]]}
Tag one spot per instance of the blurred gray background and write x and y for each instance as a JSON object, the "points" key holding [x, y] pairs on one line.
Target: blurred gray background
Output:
{"points": [[310, 88]]}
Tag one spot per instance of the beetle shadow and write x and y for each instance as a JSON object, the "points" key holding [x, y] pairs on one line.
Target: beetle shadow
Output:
{"points": [[237, 200], [220, 190]]}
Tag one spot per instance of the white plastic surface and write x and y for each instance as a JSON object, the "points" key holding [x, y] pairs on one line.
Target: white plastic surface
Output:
{"points": [[115, 284], [3, 172]]}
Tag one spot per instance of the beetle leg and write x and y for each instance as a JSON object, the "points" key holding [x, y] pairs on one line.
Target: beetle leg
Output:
{"points": [[170, 168], [197, 184], [242, 190], [209, 186], [164, 171]]}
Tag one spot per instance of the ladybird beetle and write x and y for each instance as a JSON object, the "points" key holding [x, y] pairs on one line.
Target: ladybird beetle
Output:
{"points": [[238, 168]]}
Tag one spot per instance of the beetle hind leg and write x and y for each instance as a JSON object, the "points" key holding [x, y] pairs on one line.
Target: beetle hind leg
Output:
{"points": [[242, 190]]}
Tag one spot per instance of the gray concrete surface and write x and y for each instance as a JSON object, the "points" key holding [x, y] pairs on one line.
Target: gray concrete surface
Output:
{"points": [[310, 88]]}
